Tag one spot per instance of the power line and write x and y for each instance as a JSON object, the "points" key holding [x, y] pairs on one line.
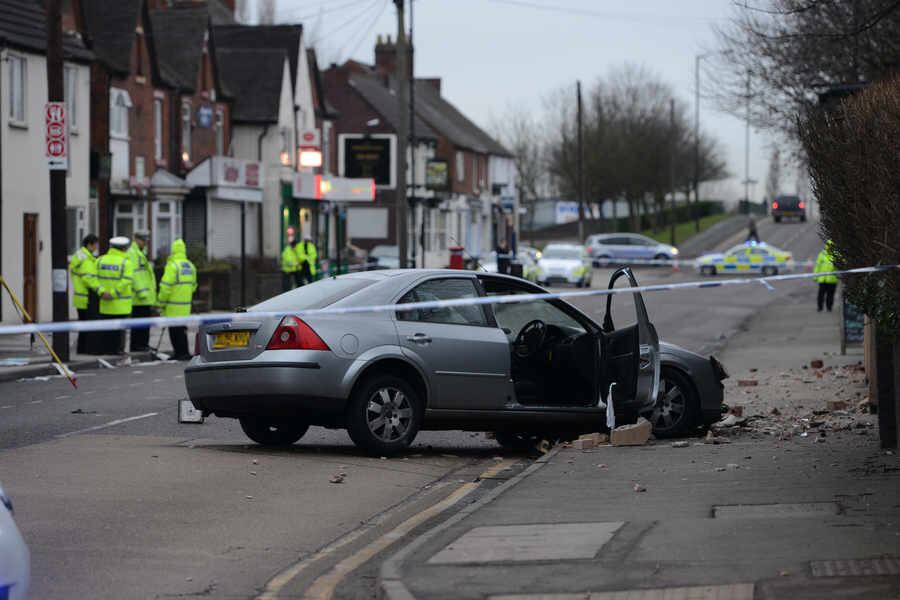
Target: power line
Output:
{"points": [[367, 31], [343, 25], [321, 12]]}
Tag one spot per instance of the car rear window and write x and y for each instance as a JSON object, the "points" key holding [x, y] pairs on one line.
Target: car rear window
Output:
{"points": [[788, 201], [319, 294]]}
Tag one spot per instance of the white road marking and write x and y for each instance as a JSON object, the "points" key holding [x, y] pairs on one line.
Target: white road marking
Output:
{"points": [[105, 425], [64, 396], [7, 406], [35, 402]]}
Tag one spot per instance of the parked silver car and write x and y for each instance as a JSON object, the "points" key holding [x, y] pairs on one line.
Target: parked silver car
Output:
{"points": [[622, 247], [518, 369], [15, 560]]}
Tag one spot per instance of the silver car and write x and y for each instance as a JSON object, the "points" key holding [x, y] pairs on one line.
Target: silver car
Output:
{"points": [[518, 369], [604, 248]]}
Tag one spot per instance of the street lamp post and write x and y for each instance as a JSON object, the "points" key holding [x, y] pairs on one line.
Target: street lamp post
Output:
{"points": [[696, 208]]}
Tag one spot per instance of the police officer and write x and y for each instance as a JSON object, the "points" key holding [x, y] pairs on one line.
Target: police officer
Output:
{"points": [[827, 283], [83, 270], [115, 283], [288, 265], [144, 290], [307, 259], [176, 289]]}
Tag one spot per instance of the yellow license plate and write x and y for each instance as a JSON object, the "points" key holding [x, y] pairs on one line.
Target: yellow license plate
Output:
{"points": [[231, 339]]}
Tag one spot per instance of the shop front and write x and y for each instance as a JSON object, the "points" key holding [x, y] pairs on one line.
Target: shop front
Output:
{"points": [[223, 209]]}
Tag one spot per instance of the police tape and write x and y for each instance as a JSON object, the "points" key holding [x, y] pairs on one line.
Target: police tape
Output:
{"points": [[676, 263], [207, 319]]}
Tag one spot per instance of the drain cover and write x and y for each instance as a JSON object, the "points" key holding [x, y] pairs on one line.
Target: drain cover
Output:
{"points": [[855, 568], [520, 543], [769, 511]]}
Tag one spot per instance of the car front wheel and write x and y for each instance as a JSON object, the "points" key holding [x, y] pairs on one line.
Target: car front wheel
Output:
{"points": [[708, 270], [677, 406], [271, 432], [384, 416]]}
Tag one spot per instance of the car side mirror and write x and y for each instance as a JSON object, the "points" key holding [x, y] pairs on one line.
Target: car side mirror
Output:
{"points": [[506, 330]]}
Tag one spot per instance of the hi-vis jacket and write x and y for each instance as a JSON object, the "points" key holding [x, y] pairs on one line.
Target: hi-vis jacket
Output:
{"points": [[824, 264], [115, 276], [288, 259], [83, 270], [176, 288], [307, 253], [144, 277]]}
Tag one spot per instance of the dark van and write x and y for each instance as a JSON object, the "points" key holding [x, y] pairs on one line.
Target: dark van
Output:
{"points": [[788, 206]]}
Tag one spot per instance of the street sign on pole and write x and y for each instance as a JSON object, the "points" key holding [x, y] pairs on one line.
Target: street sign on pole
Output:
{"points": [[56, 138]]}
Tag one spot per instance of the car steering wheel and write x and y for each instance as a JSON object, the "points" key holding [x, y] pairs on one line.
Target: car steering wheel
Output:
{"points": [[530, 339]]}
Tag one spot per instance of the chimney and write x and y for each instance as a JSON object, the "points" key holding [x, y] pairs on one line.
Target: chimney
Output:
{"points": [[434, 82], [385, 57]]}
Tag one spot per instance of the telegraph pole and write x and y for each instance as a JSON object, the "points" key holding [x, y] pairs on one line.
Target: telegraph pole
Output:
{"points": [[672, 148], [747, 151], [580, 169], [402, 133], [57, 185], [696, 208]]}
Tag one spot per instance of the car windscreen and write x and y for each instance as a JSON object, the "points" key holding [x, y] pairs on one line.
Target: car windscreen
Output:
{"points": [[563, 253], [319, 294], [788, 201]]}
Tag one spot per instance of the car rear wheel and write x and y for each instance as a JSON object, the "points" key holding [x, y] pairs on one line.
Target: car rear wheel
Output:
{"points": [[662, 256], [677, 405], [384, 415], [708, 270], [272, 432], [768, 271], [777, 219]]}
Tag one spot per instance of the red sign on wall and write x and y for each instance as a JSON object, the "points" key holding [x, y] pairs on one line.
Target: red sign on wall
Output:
{"points": [[56, 139]]}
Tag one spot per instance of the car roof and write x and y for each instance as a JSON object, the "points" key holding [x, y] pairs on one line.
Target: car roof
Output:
{"points": [[563, 246]]}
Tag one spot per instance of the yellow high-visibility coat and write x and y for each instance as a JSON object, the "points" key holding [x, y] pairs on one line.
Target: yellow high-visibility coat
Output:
{"points": [[115, 276], [83, 270]]}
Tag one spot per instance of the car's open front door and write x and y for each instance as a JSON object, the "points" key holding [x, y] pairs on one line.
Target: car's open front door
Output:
{"points": [[629, 355]]}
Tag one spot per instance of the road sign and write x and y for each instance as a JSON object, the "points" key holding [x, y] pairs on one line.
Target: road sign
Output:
{"points": [[56, 138]]}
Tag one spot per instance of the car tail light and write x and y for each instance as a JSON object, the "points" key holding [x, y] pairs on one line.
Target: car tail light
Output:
{"points": [[802, 205], [775, 205], [293, 334], [590, 250]]}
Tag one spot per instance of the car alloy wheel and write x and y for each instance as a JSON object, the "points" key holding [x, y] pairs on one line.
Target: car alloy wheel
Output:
{"points": [[384, 415], [708, 270], [273, 432], [676, 408], [389, 414], [769, 271]]}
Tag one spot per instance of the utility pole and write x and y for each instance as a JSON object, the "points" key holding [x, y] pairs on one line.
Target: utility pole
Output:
{"points": [[672, 148], [57, 185], [747, 151], [696, 208], [402, 133], [580, 169], [412, 136]]}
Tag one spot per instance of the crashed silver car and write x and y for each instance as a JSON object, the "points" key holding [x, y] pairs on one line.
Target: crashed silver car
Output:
{"points": [[516, 369]]}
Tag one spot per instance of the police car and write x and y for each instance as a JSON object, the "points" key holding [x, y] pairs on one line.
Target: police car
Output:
{"points": [[749, 257], [14, 558], [564, 263]]}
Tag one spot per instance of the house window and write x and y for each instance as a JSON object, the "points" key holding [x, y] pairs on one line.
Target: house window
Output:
{"points": [[119, 104], [285, 155], [129, 216], [460, 166], [158, 129], [166, 225], [17, 67], [139, 171], [71, 96], [220, 132], [186, 132], [76, 223]]}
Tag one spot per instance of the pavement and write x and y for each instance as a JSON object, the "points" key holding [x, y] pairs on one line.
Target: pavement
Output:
{"points": [[799, 502]]}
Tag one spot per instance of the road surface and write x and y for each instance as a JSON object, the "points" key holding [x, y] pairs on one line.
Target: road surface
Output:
{"points": [[117, 500]]}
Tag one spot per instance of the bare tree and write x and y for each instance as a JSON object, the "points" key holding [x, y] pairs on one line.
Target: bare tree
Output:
{"points": [[793, 49], [522, 135], [773, 179]]}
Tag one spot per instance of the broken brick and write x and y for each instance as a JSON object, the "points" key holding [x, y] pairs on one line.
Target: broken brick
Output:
{"points": [[747, 382], [816, 364], [583, 444], [737, 411], [833, 405], [635, 434]]}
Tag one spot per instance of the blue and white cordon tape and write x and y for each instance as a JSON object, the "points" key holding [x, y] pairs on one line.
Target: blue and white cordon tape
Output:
{"points": [[110, 324]]}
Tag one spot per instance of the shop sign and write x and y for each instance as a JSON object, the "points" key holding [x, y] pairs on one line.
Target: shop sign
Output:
{"points": [[335, 189], [368, 158], [437, 175], [235, 172], [205, 116]]}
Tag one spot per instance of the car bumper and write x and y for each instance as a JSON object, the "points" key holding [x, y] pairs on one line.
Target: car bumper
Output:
{"points": [[563, 278], [258, 388]]}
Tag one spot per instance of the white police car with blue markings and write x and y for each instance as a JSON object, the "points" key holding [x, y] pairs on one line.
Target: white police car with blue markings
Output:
{"points": [[749, 257], [15, 561]]}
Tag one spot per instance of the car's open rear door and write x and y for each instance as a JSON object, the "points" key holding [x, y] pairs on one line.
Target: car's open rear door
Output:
{"points": [[630, 354]]}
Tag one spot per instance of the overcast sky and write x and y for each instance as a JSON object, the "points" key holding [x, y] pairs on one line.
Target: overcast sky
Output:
{"points": [[493, 53]]}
